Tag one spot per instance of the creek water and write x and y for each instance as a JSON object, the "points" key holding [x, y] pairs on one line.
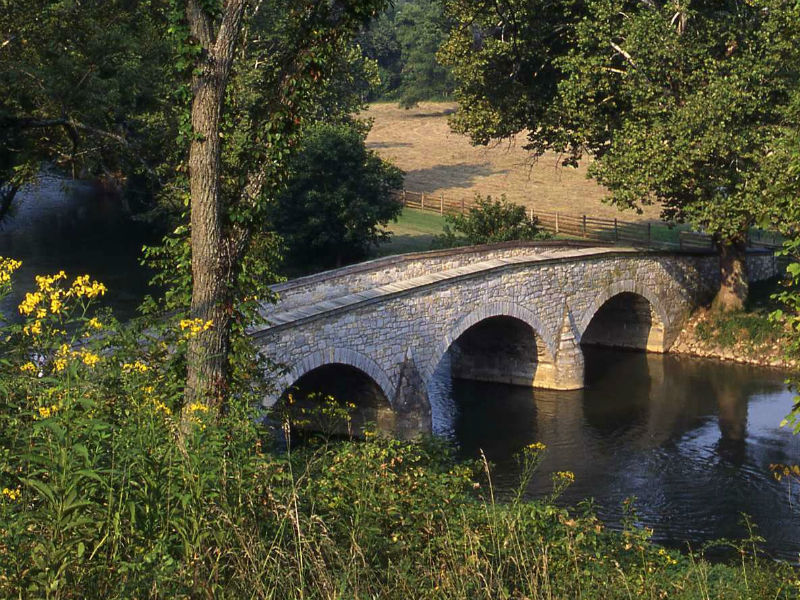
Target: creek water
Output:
{"points": [[83, 229], [690, 439]]}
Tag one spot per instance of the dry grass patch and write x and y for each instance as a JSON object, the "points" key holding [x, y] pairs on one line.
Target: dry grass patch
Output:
{"points": [[438, 161]]}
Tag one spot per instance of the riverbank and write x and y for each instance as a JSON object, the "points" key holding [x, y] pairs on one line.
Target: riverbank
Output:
{"points": [[747, 337]]}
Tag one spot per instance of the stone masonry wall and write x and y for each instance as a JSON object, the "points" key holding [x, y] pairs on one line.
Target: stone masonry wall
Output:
{"points": [[556, 297], [357, 278]]}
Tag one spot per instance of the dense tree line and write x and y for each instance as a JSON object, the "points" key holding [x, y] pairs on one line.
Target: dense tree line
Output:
{"points": [[403, 41]]}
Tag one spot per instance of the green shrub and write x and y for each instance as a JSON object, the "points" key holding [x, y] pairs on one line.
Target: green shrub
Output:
{"points": [[489, 222]]}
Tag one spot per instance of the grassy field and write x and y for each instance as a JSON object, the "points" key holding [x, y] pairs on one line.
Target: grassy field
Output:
{"points": [[438, 161], [413, 232]]}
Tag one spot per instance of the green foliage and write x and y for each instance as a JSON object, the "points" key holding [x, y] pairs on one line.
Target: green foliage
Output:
{"points": [[789, 317], [679, 104], [83, 88], [337, 199], [488, 222], [106, 493], [404, 41]]}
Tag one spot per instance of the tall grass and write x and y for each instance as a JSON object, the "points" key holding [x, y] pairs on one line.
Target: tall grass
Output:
{"points": [[112, 488]]}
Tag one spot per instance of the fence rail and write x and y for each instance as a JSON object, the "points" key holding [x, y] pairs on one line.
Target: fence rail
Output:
{"points": [[658, 234]]}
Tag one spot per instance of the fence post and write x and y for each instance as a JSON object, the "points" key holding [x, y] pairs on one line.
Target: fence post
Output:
{"points": [[556, 222], [422, 201], [616, 231], [530, 214], [441, 204], [584, 226], [405, 200]]}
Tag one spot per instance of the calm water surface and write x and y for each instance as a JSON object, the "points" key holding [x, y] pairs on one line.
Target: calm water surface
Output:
{"points": [[691, 440], [80, 228]]}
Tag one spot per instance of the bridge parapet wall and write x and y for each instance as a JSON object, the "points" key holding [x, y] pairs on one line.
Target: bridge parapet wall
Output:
{"points": [[353, 279], [367, 275]]}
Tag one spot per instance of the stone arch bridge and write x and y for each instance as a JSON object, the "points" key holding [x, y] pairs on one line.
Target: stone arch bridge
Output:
{"points": [[515, 313]]}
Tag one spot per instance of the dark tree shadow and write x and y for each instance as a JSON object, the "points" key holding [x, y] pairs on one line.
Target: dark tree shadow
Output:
{"points": [[461, 175], [383, 145]]}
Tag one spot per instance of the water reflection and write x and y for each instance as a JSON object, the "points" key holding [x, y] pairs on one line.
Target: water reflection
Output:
{"points": [[81, 228], [692, 440]]}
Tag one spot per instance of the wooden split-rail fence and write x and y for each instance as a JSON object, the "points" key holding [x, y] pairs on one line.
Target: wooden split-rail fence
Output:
{"points": [[654, 234]]}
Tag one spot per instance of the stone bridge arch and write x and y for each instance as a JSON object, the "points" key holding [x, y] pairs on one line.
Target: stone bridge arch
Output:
{"points": [[660, 329], [546, 349], [333, 356]]}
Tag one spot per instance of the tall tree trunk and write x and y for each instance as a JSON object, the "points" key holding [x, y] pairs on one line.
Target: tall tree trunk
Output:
{"points": [[734, 286], [212, 264]]}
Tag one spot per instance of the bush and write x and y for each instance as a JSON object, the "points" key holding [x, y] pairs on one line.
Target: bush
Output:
{"points": [[489, 222], [338, 199]]}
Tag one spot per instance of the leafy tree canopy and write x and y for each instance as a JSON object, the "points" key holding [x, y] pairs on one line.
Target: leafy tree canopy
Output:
{"points": [[337, 199], [680, 104], [404, 41], [83, 87]]}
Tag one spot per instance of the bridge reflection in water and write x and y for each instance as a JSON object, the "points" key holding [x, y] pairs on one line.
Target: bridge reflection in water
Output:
{"points": [[691, 439]]}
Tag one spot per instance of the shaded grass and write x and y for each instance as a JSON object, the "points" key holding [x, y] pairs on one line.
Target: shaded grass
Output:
{"points": [[414, 231], [750, 327]]}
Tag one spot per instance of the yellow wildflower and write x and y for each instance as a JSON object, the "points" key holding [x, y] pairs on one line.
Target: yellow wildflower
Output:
{"points": [[45, 282], [538, 446], [136, 366], [34, 328], [7, 268], [45, 412], [83, 287], [93, 323], [55, 305], [12, 495], [59, 364], [29, 368], [194, 326], [30, 303], [198, 407], [161, 407], [90, 359], [564, 476]]}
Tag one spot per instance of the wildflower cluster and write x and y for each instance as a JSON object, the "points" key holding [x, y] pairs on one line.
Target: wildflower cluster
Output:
{"points": [[667, 557], [779, 471], [134, 367], [567, 476], [7, 268], [12, 495], [197, 411], [45, 412], [53, 300], [191, 327], [65, 354]]}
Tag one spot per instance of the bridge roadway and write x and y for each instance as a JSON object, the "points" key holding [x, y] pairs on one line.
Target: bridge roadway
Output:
{"points": [[515, 313]]}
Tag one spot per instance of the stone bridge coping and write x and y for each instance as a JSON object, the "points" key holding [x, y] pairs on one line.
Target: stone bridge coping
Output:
{"points": [[384, 262], [280, 320]]}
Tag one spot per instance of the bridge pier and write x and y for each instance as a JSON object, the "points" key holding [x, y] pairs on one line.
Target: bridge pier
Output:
{"points": [[566, 370], [412, 409]]}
